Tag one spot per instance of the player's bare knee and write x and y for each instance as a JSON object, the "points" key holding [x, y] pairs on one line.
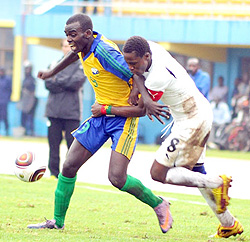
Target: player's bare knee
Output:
{"points": [[117, 180], [157, 177], [158, 172], [69, 170]]}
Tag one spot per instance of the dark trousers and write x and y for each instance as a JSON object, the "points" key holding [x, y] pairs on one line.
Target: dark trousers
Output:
{"points": [[27, 120], [4, 116], [55, 136]]}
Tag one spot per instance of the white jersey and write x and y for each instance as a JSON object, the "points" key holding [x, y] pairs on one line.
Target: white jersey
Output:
{"points": [[192, 113], [179, 91]]}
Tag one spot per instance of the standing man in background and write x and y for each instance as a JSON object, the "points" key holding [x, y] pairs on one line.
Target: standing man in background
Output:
{"points": [[5, 92], [63, 108], [28, 101], [200, 77]]}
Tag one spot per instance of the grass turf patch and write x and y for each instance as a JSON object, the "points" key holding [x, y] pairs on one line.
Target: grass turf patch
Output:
{"points": [[103, 213]]}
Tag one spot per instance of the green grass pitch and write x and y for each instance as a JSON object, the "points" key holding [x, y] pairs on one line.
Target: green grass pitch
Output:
{"points": [[103, 213]]}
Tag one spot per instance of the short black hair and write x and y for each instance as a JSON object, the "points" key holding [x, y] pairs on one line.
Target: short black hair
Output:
{"points": [[84, 20], [136, 44]]}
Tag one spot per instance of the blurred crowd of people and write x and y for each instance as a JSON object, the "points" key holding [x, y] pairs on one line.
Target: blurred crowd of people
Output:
{"points": [[231, 123], [231, 126], [231, 129]]}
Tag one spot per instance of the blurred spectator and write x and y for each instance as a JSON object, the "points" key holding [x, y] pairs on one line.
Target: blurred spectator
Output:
{"points": [[84, 9], [5, 93], [242, 108], [220, 91], [237, 82], [235, 136], [235, 95], [200, 77], [244, 87], [28, 101], [240, 93], [63, 109], [221, 118], [221, 112]]}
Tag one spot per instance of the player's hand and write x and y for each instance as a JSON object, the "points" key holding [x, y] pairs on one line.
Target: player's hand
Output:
{"points": [[44, 74], [157, 110], [96, 110], [134, 96]]}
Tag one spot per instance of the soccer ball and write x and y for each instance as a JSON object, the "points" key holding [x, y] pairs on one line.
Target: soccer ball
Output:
{"points": [[27, 168]]}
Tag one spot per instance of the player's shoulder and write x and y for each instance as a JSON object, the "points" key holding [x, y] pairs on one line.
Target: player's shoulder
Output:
{"points": [[108, 44], [155, 46]]}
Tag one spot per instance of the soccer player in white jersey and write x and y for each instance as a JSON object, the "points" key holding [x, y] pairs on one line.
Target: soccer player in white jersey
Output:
{"points": [[180, 158]]}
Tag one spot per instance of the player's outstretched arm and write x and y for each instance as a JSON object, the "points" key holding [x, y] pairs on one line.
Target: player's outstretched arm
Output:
{"points": [[125, 111], [67, 60], [152, 108]]}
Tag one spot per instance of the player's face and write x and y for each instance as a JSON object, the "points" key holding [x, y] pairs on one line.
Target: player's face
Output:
{"points": [[78, 40], [137, 65]]}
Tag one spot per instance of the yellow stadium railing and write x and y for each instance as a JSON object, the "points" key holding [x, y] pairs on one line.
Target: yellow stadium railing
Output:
{"points": [[183, 8], [163, 8]]}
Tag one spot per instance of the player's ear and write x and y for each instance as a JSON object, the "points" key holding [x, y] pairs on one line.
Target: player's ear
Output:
{"points": [[88, 33], [147, 55]]}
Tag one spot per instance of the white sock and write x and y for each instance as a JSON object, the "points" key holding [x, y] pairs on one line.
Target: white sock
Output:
{"points": [[184, 177], [226, 219]]}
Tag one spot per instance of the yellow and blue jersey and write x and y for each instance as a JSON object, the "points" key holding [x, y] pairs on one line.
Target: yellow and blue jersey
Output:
{"points": [[110, 78], [107, 72]]}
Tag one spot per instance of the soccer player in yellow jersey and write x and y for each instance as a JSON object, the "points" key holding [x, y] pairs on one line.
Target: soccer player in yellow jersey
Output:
{"points": [[109, 75]]}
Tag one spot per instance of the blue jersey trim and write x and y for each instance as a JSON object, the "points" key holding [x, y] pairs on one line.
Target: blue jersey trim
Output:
{"points": [[113, 61]]}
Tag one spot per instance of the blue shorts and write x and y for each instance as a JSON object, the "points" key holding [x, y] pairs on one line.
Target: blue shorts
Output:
{"points": [[94, 132], [199, 168]]}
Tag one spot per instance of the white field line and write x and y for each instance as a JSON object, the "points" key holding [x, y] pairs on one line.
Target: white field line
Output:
{"points": [[117, 192]]}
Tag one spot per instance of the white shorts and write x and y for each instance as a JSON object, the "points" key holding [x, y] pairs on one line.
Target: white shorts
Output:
{"points": [[185, 146]]}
